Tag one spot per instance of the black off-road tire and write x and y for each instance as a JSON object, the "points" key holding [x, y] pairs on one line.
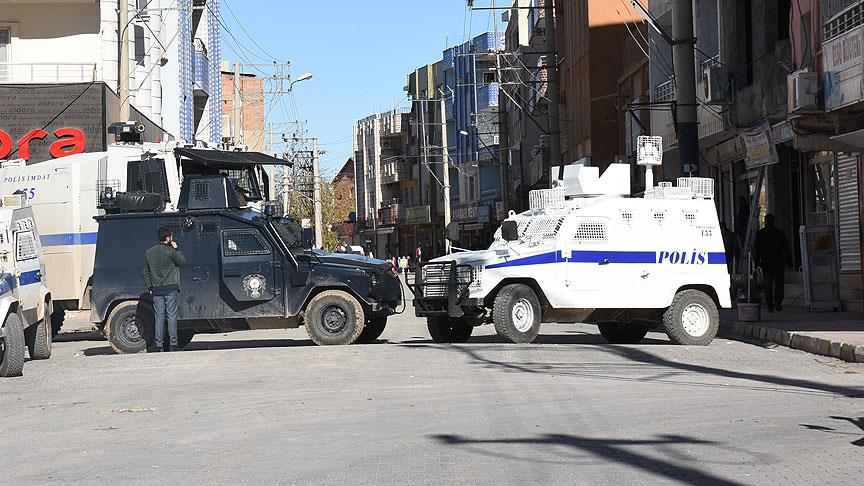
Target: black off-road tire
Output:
{"points": [[334, 317], [697, 305], [447, 330], [517, 300], [38, 337], [12, 347], [372, 330], [130, 326], [622, 333], [58, 315]]}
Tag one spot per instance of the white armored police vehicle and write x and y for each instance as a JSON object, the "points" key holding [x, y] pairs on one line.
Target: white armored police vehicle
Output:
{"points": [[586, 251], [25, 301]]}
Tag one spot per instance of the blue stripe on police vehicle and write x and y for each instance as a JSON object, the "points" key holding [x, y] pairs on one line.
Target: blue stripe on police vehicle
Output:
{"points": [[68, 239], [650, 257]]}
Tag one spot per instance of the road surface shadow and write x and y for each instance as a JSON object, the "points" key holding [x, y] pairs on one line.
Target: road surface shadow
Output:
{"points": [[858, 422], [620, 451], [672, 372], [571, 337], [78, 336], [220, 345]]}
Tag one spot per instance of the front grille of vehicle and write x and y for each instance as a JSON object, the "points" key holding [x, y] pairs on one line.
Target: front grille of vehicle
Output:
{"points": [[435, 279]]}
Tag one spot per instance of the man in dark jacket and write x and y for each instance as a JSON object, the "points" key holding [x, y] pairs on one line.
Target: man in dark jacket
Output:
{"points": [[772, 255], [162, 264]]}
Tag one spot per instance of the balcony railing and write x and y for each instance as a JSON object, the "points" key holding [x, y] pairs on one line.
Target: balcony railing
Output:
{"points": [[665, 91], [390, 214], [395, 170], [35, 72], [707, 63]]}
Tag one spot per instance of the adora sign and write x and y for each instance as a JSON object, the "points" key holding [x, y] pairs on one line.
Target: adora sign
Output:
{"points": [[70, 141]]}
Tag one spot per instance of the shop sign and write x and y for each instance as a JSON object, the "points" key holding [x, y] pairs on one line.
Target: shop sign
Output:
{"points": [[782, 132], [417, 215], [483, 213], [842, 65], [465, 213], [67, 141], [759, 146]]}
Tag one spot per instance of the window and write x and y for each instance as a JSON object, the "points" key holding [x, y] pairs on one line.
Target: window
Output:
{"points": [[140, 50], [243, 243], [147, 175], [5, 54], [488, 78], [25, 246]]}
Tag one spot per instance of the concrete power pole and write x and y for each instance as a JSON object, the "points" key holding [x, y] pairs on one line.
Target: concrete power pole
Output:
{"points": [[123, 74], [238, 107], [445, 162], [552, 92], [316, 197], [684, 66]]}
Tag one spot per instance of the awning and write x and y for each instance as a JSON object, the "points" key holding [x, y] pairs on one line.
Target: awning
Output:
{"points": [[224, 157], [855, 139]]}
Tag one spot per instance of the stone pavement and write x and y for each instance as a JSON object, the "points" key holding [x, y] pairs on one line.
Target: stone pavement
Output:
{"points": [[836, 334]]}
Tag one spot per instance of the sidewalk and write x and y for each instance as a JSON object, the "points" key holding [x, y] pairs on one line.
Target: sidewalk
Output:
{"points": [[836, 334]]}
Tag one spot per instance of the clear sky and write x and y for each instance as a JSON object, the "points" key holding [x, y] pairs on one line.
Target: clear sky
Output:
{"points": [[360, 52]]}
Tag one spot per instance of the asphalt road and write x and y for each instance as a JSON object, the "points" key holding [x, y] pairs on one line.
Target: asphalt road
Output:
{"points": [[271, 408]]}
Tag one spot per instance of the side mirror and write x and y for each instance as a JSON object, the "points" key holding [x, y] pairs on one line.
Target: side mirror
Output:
{"points": [[510, 230], [452, 232]]}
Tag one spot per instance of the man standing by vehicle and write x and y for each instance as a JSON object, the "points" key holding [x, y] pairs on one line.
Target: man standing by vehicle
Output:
{"points": [[161, 272], [772, 256]]}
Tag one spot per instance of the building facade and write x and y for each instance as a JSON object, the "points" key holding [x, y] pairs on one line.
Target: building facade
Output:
{"points": [[778, 86], [61, 59], [383, 179]]}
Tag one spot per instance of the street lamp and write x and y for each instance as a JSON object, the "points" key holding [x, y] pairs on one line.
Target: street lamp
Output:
{"points": [[304, 77]]}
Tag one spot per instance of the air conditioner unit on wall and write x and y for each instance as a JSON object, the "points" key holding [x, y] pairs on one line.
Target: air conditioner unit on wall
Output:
{"points": [[803, 88], [717, 84]]}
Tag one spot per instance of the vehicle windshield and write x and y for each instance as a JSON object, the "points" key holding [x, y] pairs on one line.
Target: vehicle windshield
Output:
{"points": [[291, 233]]}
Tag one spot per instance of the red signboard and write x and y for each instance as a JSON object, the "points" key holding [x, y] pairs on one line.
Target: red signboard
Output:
{"points": [[69, 141]]}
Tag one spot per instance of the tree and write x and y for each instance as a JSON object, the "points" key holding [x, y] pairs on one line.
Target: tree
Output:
{"points": [[337, 202]]}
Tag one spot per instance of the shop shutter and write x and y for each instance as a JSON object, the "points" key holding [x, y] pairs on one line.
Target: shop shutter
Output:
{"points": [[848, 222]]}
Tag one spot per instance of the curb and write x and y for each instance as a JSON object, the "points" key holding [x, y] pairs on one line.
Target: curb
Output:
{"points": [[823, 347]]}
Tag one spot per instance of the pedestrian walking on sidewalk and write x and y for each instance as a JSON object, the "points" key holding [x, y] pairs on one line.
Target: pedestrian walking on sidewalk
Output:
{"points": [[161, 272], [772, 255]]}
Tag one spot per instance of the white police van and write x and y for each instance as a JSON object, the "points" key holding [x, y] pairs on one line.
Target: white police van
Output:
{"points": [[586, 251], [24, 299]]}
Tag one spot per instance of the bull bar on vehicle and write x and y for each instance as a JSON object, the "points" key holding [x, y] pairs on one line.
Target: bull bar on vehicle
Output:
{"points": [[440, 288]]}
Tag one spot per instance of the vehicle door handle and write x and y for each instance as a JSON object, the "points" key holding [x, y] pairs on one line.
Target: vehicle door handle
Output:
{"points": [[604, 262], [231, 274]]}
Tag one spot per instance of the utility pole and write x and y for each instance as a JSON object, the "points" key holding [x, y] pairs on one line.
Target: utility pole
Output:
{"points": [[238, 106], [445, 159], [552, 91], [684, 67], [316, 198], [123, 75]]}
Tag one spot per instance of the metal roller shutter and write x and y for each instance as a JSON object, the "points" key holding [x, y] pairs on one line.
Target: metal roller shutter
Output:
{"points": [[848, 222]]}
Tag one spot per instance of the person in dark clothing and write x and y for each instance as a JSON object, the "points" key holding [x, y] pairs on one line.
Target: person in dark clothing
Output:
{"points": [[730, 244], [161, 272], [772, 255]]}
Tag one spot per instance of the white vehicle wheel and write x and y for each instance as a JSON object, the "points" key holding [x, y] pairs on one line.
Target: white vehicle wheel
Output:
{"points": [[692, 319], [516, 314]]}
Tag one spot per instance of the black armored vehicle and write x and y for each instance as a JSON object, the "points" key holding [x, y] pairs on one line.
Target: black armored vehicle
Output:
{"points": [[246, 269]]}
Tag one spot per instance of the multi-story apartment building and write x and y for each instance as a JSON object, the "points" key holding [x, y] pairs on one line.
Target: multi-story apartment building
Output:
{"points": [[776, 78], [422, 225], [471, 77], [524, 106], [384, 180], [59, 60]]}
